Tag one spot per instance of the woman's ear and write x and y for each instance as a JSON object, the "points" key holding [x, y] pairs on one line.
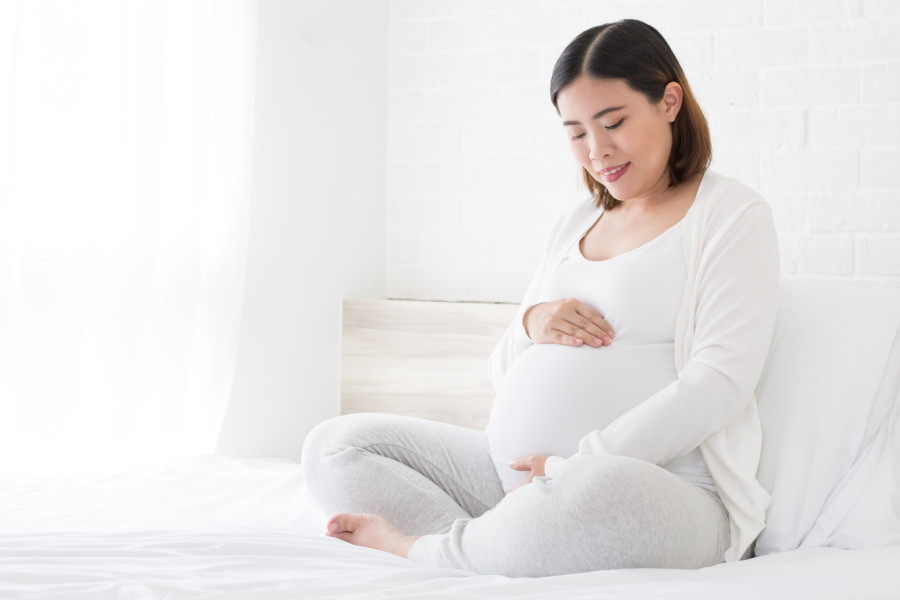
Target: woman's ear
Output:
{"points": [[671, 100]]}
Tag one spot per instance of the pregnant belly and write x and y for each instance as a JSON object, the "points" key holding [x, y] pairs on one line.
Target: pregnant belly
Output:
{"points": [[554, 395]]}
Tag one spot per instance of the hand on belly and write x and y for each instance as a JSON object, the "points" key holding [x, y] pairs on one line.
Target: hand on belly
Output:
{"points": [[568, 321], [554, 395], [534, 464]]}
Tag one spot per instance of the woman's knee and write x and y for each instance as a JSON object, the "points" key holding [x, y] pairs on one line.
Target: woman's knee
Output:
{"points": [[328, 439], [335, 434], [651, 516], [339, 438], [609, 492]]}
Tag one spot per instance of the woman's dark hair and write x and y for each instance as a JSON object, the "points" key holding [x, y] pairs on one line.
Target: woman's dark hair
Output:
{"points": [[636, 52]]}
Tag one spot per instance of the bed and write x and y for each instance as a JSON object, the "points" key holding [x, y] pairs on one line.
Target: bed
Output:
{"points": [[212, 527]]}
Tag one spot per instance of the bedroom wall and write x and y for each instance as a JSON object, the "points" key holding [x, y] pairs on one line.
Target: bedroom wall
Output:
{"points": [[803, 99], [318, 214], [450, 114]]}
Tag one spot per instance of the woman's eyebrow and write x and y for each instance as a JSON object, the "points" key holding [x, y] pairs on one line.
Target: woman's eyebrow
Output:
{"points": [[597, 116]]}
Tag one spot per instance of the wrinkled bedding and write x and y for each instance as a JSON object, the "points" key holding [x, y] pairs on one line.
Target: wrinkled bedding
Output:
{"points": [[211, 527]]}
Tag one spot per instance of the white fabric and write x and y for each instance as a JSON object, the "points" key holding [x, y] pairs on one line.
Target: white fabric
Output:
{"points": [[554, 395], [722, 336], [216, 528], [829, 400], [125, 158], [864, 512]]}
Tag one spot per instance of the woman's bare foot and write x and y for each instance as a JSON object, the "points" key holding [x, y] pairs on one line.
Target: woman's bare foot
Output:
{"points": [[370, 531]]}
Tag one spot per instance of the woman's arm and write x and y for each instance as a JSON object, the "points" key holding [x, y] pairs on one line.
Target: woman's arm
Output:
{"points": [[515, 340], [735, 319]]}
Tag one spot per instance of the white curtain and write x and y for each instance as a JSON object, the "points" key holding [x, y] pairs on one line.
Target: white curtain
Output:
{"points": [[125, 167]]}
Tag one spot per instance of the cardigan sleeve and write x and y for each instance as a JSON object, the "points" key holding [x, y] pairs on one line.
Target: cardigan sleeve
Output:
{"points": [[515, 340], [734, 321]]}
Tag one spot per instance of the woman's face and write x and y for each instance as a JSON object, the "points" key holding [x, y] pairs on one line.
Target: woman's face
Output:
{"points": [[618, 136]]}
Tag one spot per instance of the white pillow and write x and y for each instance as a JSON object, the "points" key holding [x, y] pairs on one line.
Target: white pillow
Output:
{"points": [[864, 509], [823, 395]]}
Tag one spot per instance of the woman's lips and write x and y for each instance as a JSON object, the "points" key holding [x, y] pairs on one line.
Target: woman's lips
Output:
{"points": [[614, 173]]}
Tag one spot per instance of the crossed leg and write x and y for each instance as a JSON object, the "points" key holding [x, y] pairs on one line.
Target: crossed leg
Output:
{"points": [[390, 479], [592, 513]]}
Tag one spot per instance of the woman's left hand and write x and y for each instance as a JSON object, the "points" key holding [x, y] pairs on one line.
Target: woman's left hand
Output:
{"points": [[535, 464]]}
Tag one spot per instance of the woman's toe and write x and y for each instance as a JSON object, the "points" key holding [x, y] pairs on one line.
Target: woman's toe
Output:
{"points": [[340, 523]]}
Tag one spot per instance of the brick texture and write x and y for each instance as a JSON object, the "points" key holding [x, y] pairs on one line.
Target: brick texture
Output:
{"points": [[802, 97]]}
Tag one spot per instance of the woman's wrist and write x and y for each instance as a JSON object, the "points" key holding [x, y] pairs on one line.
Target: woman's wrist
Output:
{"points": [[525, 320]]}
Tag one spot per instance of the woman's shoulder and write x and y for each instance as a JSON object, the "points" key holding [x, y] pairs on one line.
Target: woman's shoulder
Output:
{"points": [[725, 202], [727, 191], [572, 221], [721, 199], [573, 218]]}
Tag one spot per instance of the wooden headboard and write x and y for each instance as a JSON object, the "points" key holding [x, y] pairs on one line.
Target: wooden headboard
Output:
{"points": [[421, 359]]}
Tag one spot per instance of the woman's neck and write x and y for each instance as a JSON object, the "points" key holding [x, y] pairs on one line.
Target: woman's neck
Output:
{"points": [[659, 201]]}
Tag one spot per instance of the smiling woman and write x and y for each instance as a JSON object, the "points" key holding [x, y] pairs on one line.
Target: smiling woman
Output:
{"points": [[606, 144], [600, 58], [624, 432]]}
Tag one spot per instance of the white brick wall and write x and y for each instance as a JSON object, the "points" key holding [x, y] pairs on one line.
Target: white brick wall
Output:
{"points": [[802, 96]]}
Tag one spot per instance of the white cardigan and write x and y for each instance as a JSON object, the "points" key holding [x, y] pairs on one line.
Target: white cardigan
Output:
{"points": [[722, 336]]}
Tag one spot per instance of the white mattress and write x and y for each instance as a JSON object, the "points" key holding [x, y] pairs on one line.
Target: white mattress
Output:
{"points": [[210, 527]]}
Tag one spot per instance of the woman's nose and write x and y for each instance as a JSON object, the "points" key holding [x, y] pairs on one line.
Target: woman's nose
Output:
{"points": [[599, 149]]}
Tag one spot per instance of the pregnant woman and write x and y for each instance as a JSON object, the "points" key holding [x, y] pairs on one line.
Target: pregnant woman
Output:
{"points": [[625, 431]]}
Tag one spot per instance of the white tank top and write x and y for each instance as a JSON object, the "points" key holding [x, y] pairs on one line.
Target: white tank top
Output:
{"points": [[553, 395]]}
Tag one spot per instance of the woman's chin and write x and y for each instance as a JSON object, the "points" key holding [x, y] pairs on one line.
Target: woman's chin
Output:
{"points": [[618, 191]]}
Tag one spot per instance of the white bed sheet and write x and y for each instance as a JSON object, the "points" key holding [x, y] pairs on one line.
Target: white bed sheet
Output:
{"points": [[211, 527]]}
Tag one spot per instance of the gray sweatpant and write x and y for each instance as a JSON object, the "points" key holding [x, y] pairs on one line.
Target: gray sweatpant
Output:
{"points": [[437, 481]]}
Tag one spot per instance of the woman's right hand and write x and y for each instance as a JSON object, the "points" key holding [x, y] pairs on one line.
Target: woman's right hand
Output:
{"points": [[569, 322]]}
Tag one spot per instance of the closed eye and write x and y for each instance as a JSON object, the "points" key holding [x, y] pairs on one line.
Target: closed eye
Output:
{"points": [[609, 128]]}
